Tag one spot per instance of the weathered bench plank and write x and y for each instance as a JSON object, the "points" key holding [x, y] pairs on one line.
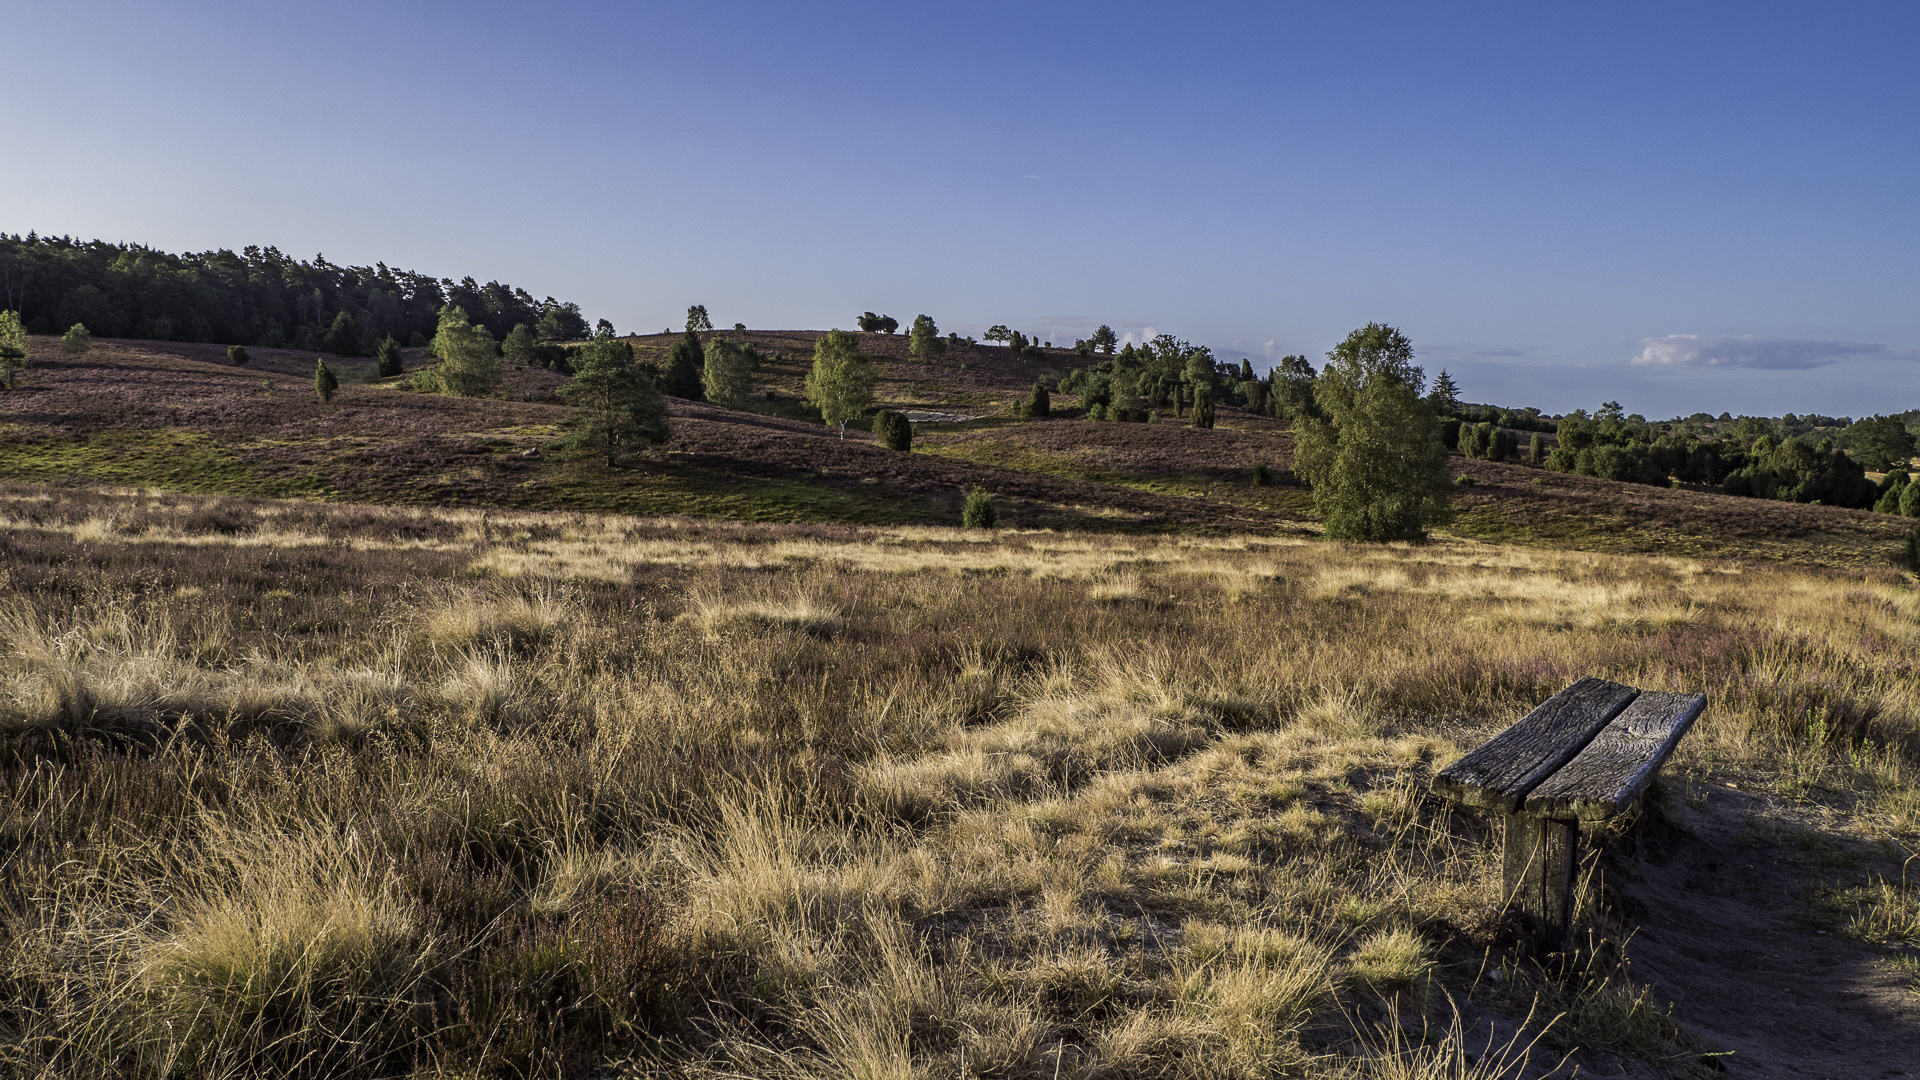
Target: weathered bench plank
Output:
{"points": [[1610, 773], [1501, 773]]}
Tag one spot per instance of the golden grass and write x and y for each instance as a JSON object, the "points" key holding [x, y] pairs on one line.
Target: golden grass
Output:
{"points": [[526, 791]]}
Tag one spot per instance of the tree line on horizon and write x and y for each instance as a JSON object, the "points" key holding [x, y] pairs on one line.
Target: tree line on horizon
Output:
{"points": [[257, 296]]}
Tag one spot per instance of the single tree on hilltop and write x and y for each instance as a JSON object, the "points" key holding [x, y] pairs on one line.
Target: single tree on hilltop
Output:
{"points": [[842, 380], [923, 340], [697, 319], [1103, 340]]}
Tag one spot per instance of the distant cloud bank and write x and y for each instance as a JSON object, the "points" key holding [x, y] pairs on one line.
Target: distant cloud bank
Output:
{"points": [[1767, 353]]}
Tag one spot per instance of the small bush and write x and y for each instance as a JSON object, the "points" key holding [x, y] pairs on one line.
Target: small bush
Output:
{"points": [[1202, 408], [978, 513], [1537, 450], [237, 354], [1097, 412], [1038, 402], [1261, 477], [389, 353], [324, 381], [76, 341], [1463, 480], [893, 430]]}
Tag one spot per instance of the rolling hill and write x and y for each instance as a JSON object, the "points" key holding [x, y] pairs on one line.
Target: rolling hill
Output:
{"points": [[179, 416]]}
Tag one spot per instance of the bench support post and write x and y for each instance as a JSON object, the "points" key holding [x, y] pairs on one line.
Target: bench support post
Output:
{"points": [[1538, 875]]}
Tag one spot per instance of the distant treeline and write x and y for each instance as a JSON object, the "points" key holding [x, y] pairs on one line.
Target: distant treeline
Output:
{"points": [[1795, 458], [256, 296]]}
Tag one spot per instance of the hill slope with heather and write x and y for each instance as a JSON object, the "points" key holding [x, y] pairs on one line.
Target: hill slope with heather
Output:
{"points": [[181, 417]]}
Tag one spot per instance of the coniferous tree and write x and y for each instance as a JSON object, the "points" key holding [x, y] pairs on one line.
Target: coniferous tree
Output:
{"points": [[1445, 394], [1039, 402], [1537, 450], [1469, 443], [697, 319], [978, 512], [324, 382], [1375, 462], [1891, 488], [343, 337], [728, 375], [388, 354], [13, 346], [894, 430], [77, 341], [616, 406], [1103, 339], [1203, 406], [684, 363], [1910, 500], [237, 355]]}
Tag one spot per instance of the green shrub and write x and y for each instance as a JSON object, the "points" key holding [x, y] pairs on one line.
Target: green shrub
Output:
{"points": [[978, 512], [324, 382], [237, 354], [1202, 407], [894, 430], [1537, 449], [1910, 501], [1039, 403], [1261, 477], [388, 352], [76, 341], [1463, 480], [1467, 441], [1097, 411]]}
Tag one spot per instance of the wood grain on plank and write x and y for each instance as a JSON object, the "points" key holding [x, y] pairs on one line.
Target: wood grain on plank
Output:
{"points": [[1505, 768], [1606, 777]]}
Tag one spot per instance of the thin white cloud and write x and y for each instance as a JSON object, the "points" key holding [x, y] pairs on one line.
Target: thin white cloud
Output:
{"points": [[1267, 349], [1747, 351]]}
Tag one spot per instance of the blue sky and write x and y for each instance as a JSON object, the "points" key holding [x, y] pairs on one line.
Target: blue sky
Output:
{"points": [[1679, 206]]}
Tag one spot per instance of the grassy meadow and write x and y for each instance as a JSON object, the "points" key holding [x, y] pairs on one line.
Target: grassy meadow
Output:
{"points": [[324, 789]]}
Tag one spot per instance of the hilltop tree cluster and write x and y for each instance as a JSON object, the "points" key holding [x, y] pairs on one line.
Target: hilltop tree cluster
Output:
{"points": [[257, 296]]}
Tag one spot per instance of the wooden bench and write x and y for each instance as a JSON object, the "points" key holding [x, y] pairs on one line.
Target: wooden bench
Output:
{"points": [[1586, 754]]}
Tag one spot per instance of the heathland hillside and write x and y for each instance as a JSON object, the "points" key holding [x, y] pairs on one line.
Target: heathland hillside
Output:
{"points": [[181, 417]]}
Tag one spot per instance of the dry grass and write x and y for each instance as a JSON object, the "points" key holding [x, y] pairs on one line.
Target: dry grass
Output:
{"points": [[517, 794]]}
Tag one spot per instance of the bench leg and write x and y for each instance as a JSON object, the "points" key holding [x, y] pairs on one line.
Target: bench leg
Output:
{"points": [[1540, 854]]}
